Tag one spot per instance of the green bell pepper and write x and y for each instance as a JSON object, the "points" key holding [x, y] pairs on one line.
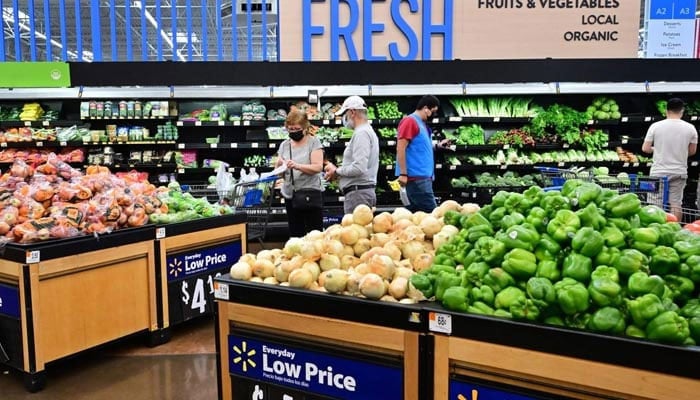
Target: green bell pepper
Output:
{"points": [[668, 327], [685, 249], [520, 237], [669, 305], [651, 214], [512, 219], [563, 226], [681, 288], [444, 259], [475, 272], [585, 194], [644, 239], [444, 281], [509, 296], [498, 279], [482, 294], [497, 216], [605, 272], [578, 321], [570, 185], [490, 250], [587, 242], [667, 234], [537, 217], [453, 218], [553, 202], [607, 256], [691, 311], [630, 261], [476, 219], [541, 291], [479, 231], [694, 328], [644, 308], [605, 195], [613, 237], [548, 269], [620, 223], [499, 199], [607, 319], [664, 260], [517, 202], [623, 206], [640, 283], [422, 283], [590, 216], [554, 320], [578, 267], [486, 211], [502, 314], [520, 263], [534, 193], [691, 269], [480, 308], [525, 310], [455, 298], [462, 254], [437, 269], [635, 332], [605, 292], [547, 248], [572, 296]]}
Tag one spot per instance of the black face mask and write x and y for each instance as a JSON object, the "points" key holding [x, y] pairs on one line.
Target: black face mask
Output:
{"points": [[296, 135]]}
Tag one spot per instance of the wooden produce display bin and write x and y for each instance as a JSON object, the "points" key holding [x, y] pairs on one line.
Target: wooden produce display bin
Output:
{"points": [[274, 342], [491, 358], [60, 297], [189, 256]]}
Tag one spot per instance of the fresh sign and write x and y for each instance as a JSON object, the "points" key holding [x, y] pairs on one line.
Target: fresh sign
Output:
{"points": [[313, 372]]}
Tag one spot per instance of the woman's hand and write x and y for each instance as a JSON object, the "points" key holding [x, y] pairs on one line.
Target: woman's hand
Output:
{"points": [[291, 164]]}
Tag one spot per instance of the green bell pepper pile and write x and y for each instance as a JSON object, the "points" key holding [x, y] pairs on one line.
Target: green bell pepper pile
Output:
{"points": [[583, 257]]}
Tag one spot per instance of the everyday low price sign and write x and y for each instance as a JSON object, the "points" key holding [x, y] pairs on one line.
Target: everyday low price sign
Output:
{"points": [[9, 301], [313, 372], [183, 265]]}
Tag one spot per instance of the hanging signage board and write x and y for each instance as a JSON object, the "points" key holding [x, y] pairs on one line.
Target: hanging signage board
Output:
{"points": [[670, 29], [34, 75], [379, 30]]}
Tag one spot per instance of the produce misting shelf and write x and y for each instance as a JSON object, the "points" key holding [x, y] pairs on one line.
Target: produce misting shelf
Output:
{"points": [[360, 336], [65, 296], [488, 354]]}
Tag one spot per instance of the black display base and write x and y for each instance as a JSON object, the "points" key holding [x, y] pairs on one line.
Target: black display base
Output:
{"points": [[34, 382], [159, 337]]}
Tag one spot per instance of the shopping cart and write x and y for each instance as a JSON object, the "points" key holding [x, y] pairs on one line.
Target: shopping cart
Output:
{"points": [[554, 178], [255, 199], [207, 191]]}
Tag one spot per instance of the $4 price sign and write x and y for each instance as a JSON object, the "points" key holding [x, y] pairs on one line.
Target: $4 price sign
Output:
{"points": [[197, 295]]}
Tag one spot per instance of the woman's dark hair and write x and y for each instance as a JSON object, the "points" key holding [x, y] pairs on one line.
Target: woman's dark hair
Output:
{"points": [[428, 101], [675, 105]]}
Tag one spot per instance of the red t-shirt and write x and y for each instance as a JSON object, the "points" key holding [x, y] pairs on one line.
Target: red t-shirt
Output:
{"points": [[408, 128]]}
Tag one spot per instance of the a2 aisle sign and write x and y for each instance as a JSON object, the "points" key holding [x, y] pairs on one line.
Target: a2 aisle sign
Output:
{"points": [[313, 372], [9, 301], [407, 30]]}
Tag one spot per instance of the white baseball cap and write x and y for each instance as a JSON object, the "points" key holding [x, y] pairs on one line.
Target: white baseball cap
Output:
{"points": [[352, 103]]}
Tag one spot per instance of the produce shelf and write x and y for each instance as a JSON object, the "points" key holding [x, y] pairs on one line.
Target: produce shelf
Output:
{"points": [[518, 167], [40, 124], [180, 228], [164, 166], [392, 315], [161, 117], [256, 123]]}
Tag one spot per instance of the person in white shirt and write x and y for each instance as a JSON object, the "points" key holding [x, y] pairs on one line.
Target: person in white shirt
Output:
{"points": [[672, 141]]}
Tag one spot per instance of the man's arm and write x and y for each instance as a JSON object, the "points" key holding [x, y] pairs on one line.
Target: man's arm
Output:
{"points": [[692, 149], [401, 146], [360, 156], [647, 147]]}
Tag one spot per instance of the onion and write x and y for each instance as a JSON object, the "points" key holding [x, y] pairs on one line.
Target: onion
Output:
{"points": [[300, 278], [418, 217], [241, 271], [361, 231], [349, 235], [283, 270], [414, 293], [372, 252], [248, 258], [406, 263], [353, 284], [470, 208], [410, 233], [270, 281], [312, 251], [347, 262], [401, 225], [362, 269], [398, 288], [347, 251], [379, 239], [362, 215], [333, 247], [428, 246], [265, 255], [449, 205], [322, 278], [389, 299], [314, 235], [403, 272], [329, 261], [383, 266], [382, 223], [439, 239], [256, 279], [412, 249], [276, 253], [393, 251], [333, 232], [400, 213], [285, 284], [430, 226], [313, 268], [372, 286], [407, 301], [293, 247], [449, 230], [362, 246], [336, 281], [263, 268], [347, 220], [422, 262]]}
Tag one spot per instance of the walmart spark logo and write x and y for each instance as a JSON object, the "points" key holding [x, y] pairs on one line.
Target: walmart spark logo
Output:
{"points": [[175, 268], [244, 356]]}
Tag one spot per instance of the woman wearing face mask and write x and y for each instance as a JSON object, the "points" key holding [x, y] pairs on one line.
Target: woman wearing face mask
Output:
{"points": [[357, 177], [303, 155]]}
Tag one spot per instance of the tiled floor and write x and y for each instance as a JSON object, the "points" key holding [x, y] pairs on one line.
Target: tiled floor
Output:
{"points": [[184, 368]]}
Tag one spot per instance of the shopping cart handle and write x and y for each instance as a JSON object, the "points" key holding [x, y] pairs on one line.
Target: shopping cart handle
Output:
{"points": [[548, 169]]}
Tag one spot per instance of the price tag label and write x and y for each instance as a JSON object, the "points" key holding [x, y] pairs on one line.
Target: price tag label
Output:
{"points": [[506, 146], [246, 123], [160, 233], [222, 123], [27, 123], [341, 198], [496, 119], [647, 119], [254, 145], [234, 145], [236, 123], [591, 122], [625, 165], [625, 141], [565, 145], [438, 166], [33, 256], [504, 166], [197, 123], [180, 170], [453, 148], [440, 323], [694, 118], [436, 120], [455, 119], [46, 123], [271, 145], [326, 122], [389, 167], [346, 144], [453, 167], [391, 143], [64, 144], [694, 164], [181, 146], [3, 144], [635, 164], [624, 119], [648, 164], [39, 144], [561, 164], [213, 145], [221, 291], [179, 123], [474, 195]]}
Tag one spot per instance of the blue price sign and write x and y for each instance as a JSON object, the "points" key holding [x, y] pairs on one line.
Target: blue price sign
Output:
{"points": [[9, 301], [468, 391], [183, 265], [672, 9], [313, 372]]}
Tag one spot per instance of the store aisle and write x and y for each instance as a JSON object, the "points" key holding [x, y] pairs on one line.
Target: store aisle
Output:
{"points": [[184, 368]]}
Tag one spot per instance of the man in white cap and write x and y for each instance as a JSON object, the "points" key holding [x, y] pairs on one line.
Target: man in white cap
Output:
{"points": [[357, 177]]}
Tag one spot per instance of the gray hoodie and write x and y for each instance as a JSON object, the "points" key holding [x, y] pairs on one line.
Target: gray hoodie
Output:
{"points": [[360, 158]]}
